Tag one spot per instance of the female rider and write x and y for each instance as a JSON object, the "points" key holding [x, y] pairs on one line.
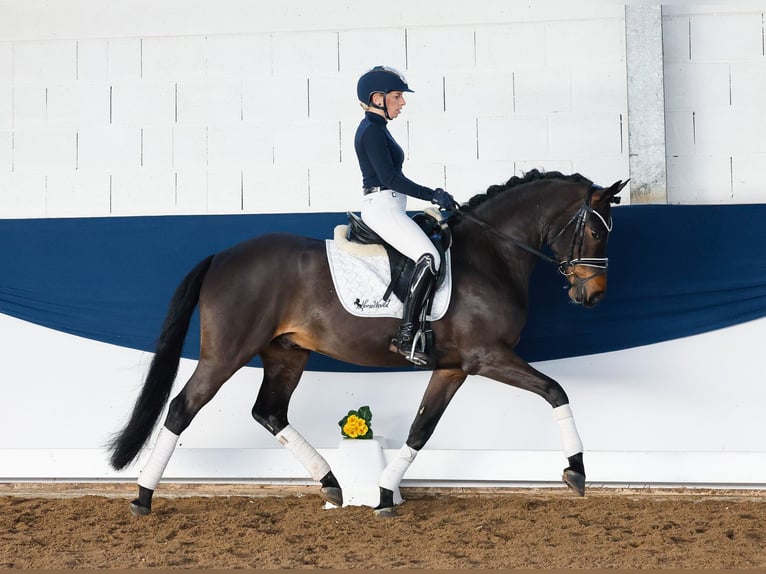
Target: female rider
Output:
{"points": [[384, 205]]}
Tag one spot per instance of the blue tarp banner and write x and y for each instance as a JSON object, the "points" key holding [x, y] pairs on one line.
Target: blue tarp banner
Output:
{"points": [[674, 271]]}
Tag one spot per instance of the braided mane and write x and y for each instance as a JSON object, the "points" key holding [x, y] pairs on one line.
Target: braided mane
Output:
{"points": [[515, 181]]}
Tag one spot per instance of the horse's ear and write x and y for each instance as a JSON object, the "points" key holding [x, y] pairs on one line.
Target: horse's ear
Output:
{"points": [[609, 194]]}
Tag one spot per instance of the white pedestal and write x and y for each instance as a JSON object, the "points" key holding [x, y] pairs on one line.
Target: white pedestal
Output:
{"points": [[357, 467]]}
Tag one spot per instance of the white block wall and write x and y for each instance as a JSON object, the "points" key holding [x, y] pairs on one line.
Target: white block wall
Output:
{"points": [[715, 98], [226, 120]]}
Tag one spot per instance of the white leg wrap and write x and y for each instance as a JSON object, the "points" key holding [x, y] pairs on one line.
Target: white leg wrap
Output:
{"points": [[158, 459], [393, 473], [569, 436], [306, 454]]}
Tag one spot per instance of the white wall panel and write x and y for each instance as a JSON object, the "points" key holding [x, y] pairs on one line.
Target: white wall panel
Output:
{"points": [[49, 150], [464, 180], [577, 43], [157, 148], [76, 105], [124, 59], [690, 86], [727, 37], [748, 85], [190, 147], [599, 88], [173, 59], [93, 60], [333, 97], [272, 99], [29, 107], [360, 50], [210, 103], [6, 107], [307, 142], [439, 50], [446, 139], [519, 46], [489, 93], [240, 145], [6, 151], [303, 54], [676, 43], [333, 188], [46, 62], [6, 63], [237, 57], [22, 194], [143, 103], [191, 190], [109, 148], [276, 189], [519, 137], [592, 134], [542, 92], [679, 132], [77, 194], [699, 179], [748, 178], [142, 192], [224, 191]]}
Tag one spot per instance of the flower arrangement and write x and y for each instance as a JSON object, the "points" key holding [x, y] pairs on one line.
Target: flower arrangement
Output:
{"points": [[357, 424]]}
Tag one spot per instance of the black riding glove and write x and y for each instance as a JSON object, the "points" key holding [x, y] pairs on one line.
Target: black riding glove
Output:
{"points": [[443, 199]]}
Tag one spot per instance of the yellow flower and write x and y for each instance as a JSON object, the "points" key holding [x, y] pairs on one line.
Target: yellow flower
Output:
{"points": [[355, 427]]}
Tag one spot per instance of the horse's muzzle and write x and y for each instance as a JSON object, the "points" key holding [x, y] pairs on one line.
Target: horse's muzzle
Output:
{"points": [[587, 291]]}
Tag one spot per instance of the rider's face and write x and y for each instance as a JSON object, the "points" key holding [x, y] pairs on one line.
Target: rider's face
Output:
{"points": [[395, 102]]}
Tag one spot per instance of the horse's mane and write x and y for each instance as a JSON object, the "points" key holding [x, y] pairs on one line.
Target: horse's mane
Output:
{"points": [[515, 181]]}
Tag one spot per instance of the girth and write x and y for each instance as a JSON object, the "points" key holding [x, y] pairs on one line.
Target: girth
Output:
{"points": [[435, 229]]}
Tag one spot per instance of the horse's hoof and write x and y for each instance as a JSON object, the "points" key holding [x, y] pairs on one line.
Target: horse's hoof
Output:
{"points": [[388, 512], [332, 494], [137, 509], [574, 480]]}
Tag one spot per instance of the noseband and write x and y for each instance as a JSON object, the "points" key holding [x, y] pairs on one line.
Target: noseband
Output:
{"points": [[579, 220], [566, 267]]}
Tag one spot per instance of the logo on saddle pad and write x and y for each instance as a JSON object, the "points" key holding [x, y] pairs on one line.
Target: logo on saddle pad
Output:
{"points": [[362, 274]]}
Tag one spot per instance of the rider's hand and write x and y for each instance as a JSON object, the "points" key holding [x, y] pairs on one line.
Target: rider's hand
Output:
{"points": [[443, 199]]}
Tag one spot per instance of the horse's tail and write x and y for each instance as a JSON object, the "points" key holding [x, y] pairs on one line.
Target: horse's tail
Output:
{"points": [[126, 444]]}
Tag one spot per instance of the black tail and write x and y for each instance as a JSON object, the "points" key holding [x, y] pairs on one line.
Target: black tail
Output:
{"points": [[126, 445]]}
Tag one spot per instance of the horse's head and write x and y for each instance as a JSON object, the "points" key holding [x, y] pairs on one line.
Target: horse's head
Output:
{"points": [[581, 245]]}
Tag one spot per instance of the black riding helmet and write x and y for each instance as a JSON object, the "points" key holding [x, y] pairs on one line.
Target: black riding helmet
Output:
{"points": [[380, 80]]}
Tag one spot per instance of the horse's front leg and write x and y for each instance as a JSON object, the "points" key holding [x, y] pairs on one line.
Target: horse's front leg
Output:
{"points": [[441, 388], [516, 372]]}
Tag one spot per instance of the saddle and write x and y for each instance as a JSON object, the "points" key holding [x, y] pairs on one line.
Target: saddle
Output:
{"points": [[435, 228]]}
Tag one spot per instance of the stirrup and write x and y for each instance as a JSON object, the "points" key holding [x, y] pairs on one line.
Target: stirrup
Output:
{"points": [[418, 340]]}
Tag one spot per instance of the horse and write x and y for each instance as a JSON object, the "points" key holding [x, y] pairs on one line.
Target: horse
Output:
{"points": [[272, 296]]}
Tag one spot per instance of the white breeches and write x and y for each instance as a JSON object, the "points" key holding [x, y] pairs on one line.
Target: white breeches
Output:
{"points": [[386, 213]]}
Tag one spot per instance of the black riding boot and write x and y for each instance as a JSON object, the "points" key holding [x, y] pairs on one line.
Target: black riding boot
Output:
{"points": [[421, 282]]}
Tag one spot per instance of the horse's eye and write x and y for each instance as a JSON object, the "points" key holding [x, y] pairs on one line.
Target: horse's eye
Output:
{"points": [[595, 234]]}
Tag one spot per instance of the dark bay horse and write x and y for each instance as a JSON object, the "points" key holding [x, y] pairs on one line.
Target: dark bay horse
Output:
{"points": [[273, 296]]}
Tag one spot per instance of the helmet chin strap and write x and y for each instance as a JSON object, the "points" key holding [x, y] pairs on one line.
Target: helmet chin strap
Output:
{"points": [[383, 107]]}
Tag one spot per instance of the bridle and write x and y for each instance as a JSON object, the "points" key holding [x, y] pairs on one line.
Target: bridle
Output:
{"points": [[565, 267]]}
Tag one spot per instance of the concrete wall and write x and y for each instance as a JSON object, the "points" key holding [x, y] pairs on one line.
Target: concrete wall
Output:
{"points": [[195, 116], [715, 90]]}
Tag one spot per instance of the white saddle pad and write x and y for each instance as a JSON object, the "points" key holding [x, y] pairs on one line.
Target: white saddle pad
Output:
{"points": [[361, 274]]}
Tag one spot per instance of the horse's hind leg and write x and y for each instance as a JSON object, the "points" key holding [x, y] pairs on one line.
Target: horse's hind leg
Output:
{"points": [[200, 388], [441, 388], [282, 370]]}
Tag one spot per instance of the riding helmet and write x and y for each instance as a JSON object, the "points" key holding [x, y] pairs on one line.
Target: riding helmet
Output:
{"points": [[380, 80]]}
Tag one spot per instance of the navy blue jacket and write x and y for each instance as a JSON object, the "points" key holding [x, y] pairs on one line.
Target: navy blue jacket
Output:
{"points": [[381, 158]]}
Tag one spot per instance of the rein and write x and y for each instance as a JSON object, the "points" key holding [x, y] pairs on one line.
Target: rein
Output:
{"points": [[564, 267]]}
